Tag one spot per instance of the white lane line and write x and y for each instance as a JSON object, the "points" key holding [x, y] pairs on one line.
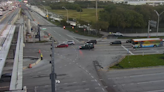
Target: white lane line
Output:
{"points": [[127, 50], [156, 91], [103, 89], [74, 82], [136, 76], [99, 84], [73, 38], [92, 76], [59, 34], [83, 81], [87, 89]]}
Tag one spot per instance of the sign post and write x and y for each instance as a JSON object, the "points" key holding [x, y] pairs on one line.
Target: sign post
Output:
{"points": [[152, 24]]}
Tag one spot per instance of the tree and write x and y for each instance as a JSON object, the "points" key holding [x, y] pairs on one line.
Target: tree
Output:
{"points": [[101, 25]]}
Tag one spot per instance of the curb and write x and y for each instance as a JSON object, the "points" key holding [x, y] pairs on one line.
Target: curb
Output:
{"points": [[117, 61], [33, 64]]}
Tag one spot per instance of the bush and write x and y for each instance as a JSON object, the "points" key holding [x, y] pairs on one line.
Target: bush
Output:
{"points": [[79, 10]]}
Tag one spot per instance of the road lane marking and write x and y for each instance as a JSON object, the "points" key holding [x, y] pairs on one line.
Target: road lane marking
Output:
{"points": [[103, 89], [77, 90], [135, 76], [92, 76], [127, 50], [87, 89], [156, 91], [74, 82], [73, 38]]}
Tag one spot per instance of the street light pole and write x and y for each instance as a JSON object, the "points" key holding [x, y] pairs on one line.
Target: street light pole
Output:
{"points": [[96, 11], [67, 12], [158, 20]]}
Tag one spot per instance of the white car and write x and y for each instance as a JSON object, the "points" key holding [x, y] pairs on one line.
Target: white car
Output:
{"points": [[71, 42], [118, 34]]}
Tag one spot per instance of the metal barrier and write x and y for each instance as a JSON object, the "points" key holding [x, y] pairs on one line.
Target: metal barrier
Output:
{"points": [[16, 79], [5, 48]]}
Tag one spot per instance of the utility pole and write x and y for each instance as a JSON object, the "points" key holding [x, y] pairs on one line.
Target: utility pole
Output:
{"points": [[66, 11], [148, 29], [53, 74]]}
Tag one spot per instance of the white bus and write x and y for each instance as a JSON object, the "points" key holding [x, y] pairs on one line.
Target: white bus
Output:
{"points": [[147, 42]]}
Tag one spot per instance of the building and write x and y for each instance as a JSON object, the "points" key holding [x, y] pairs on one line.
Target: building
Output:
{"points": [[142, 2]]}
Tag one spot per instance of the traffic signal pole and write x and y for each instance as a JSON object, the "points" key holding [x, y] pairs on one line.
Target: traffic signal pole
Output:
{"points": [[39, 32], [53, 74], [43, 26]]}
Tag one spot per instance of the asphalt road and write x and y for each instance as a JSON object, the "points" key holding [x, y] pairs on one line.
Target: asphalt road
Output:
{"points": [[73, 76], [137, 80], [76, 72]]}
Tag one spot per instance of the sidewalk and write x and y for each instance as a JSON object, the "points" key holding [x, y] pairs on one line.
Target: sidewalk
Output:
{"points": [[31, 52]]}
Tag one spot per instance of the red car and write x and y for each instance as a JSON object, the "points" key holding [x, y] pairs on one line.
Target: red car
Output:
{"points": [[62, 45]]}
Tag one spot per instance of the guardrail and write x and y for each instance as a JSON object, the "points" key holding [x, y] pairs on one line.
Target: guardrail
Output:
{"points": [[4, 16], [5, 48], [16, 79]]}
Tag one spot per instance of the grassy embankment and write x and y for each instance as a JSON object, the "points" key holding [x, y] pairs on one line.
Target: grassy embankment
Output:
{"points": [[136, 61], [88, 15]]}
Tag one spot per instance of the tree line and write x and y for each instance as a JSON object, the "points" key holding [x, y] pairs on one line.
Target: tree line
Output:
{"points": [[123, 16], [120, 16]]}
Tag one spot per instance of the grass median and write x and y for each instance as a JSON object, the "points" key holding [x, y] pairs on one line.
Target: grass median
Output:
{"points": [[137, 61]]}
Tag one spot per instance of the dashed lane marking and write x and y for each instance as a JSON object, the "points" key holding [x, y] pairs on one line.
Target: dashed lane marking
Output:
{"points": [[127, 50]]}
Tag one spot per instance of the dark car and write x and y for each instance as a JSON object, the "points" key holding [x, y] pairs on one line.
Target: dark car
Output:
{"points": [[116, 42], [129, 41], [6, 75], [62, 45], [92, 41], [87, 46]]}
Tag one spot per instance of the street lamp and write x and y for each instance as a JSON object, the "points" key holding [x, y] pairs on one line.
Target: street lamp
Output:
{"points": [[96, 12], [158, 19], [67, 12], [46, 10]]}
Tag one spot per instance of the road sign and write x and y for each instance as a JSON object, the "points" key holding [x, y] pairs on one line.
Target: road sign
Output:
{"points": [[47, 16], [153, 23], [43, 28]]}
